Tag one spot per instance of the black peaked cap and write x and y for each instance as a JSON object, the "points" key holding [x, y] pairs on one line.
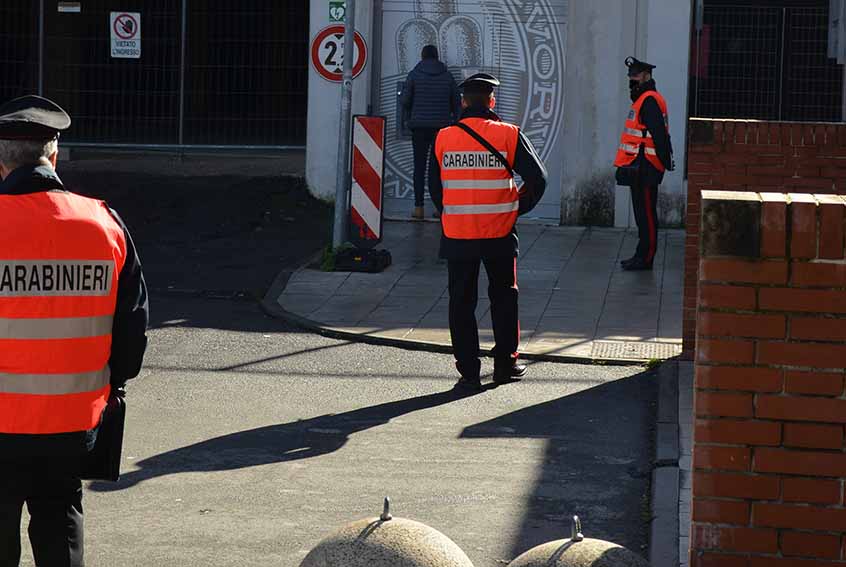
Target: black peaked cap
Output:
{"points": [[480, 82], [637, 66], [32, 117]]}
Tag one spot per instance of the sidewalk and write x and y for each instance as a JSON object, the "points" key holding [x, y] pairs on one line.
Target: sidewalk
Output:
{"points": [[575, 301]]}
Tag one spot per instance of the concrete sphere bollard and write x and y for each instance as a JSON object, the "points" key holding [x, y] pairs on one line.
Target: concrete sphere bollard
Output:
{"points": [[386, 541], [578, 551]]}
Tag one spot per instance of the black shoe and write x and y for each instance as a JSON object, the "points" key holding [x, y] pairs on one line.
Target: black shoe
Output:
{"points": [[637, 264], [628, 261], [468, 385], [506, 374]]}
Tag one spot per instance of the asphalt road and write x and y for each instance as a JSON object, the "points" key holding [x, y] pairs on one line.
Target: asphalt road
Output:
{"points": [[248, 441]]}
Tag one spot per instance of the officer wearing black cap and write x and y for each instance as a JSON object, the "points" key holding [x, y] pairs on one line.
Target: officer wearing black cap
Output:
{"points": [[479, 203], [73, 316], [644, 154]]}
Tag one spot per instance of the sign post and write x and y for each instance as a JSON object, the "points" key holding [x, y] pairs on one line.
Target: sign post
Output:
{"points": [[342, 179], [125, 29]]}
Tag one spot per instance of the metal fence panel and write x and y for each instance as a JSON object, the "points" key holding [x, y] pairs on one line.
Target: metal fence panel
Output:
{"points": [[247, 73], [765, 62], [239, 78], [813, 82], [114, 100], [740, 63], [18, 48]]}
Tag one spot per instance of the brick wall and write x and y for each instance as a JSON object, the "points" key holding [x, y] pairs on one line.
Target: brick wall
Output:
{"points": [[769, 456], [755, 156]]}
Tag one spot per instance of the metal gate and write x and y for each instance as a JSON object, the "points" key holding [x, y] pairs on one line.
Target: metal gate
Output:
{"points": [[766, 61], [212, 73]]}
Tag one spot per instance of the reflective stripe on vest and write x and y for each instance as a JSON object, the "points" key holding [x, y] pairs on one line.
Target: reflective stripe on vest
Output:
{"points": [[66, 328], [478, 184], [634, 149], [480, 198], [638, 133], [636, 136], [54, 384], [58, 290], [481, 209]]}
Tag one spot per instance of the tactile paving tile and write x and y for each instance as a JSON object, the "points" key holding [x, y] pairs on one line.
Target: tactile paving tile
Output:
{"points": [[634, 350]]}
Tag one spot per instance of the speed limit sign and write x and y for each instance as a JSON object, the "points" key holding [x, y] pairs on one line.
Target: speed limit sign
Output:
{"points": [[327, 53]]}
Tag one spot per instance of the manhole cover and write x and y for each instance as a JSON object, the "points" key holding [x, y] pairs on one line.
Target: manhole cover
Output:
{"points": [[634, 350]]}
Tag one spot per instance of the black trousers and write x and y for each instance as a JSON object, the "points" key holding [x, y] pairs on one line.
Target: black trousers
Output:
{"points": [[422, 140], [645, 206], [463, 297], [52, 491]]}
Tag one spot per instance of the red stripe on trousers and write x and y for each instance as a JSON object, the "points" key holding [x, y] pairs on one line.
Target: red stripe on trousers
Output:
{"points": [[650, 221], [516, 354]]}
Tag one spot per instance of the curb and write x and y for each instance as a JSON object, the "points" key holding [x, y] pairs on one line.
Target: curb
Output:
{"points": [[664, 500], [270, 306]]}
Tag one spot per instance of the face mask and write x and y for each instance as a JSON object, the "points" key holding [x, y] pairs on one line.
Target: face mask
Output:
{"points": [[633, 84]]}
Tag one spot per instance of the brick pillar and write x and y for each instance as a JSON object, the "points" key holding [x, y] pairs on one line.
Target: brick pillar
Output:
{"points": [[769, 453], [735, 155]]}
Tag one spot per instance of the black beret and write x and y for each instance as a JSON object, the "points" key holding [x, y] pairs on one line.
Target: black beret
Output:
{"points": [[32, 118], [636, 66], [480, 82]]}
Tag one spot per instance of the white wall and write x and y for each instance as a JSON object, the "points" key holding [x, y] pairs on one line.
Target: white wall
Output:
{"points": [[523, 43], [668, 47], [602, 34], [324, 99], [595, 37]]}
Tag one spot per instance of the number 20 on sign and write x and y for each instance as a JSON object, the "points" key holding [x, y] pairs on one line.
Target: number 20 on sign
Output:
{"points": [[327, 53]]}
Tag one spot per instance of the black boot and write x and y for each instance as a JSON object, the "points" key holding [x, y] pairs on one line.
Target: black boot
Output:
{"points": [[504, 373], [469, 370], [468, 385], [637, 264], [628, 261]]}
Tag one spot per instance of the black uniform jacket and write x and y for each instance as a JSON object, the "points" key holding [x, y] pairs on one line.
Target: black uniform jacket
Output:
{"points": [[530, 168], [653, 118], [129, 340]]}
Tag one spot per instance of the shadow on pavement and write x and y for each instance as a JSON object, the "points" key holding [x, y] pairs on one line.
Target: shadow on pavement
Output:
{"points": [[597, 462], [167, 311], [219, 236], [292, 441]]}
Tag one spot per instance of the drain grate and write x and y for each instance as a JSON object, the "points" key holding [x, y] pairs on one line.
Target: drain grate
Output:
{"points": [[634, 350]]}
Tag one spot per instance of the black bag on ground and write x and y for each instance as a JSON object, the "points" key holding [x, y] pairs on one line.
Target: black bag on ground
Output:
{"points": [[103, 462], [361, 260]]}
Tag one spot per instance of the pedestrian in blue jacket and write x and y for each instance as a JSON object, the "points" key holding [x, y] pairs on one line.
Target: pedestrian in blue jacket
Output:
{"points": [[433, 102]]}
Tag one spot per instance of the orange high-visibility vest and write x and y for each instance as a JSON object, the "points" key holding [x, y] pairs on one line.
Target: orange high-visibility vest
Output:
{"points": [[636, 135], [480, 197], [59, 266]]}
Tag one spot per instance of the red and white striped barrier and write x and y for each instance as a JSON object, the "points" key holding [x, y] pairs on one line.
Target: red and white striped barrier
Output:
{"points": [[368, 163]]}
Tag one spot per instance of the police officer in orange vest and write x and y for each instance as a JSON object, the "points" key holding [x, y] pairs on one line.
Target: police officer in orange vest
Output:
{"points": [[73, 315], [479, 202], [644, 154]]}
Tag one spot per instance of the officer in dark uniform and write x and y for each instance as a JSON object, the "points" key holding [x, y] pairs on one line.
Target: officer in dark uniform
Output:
{"points": [[44, 399], [644, 155], [479, 204]]}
